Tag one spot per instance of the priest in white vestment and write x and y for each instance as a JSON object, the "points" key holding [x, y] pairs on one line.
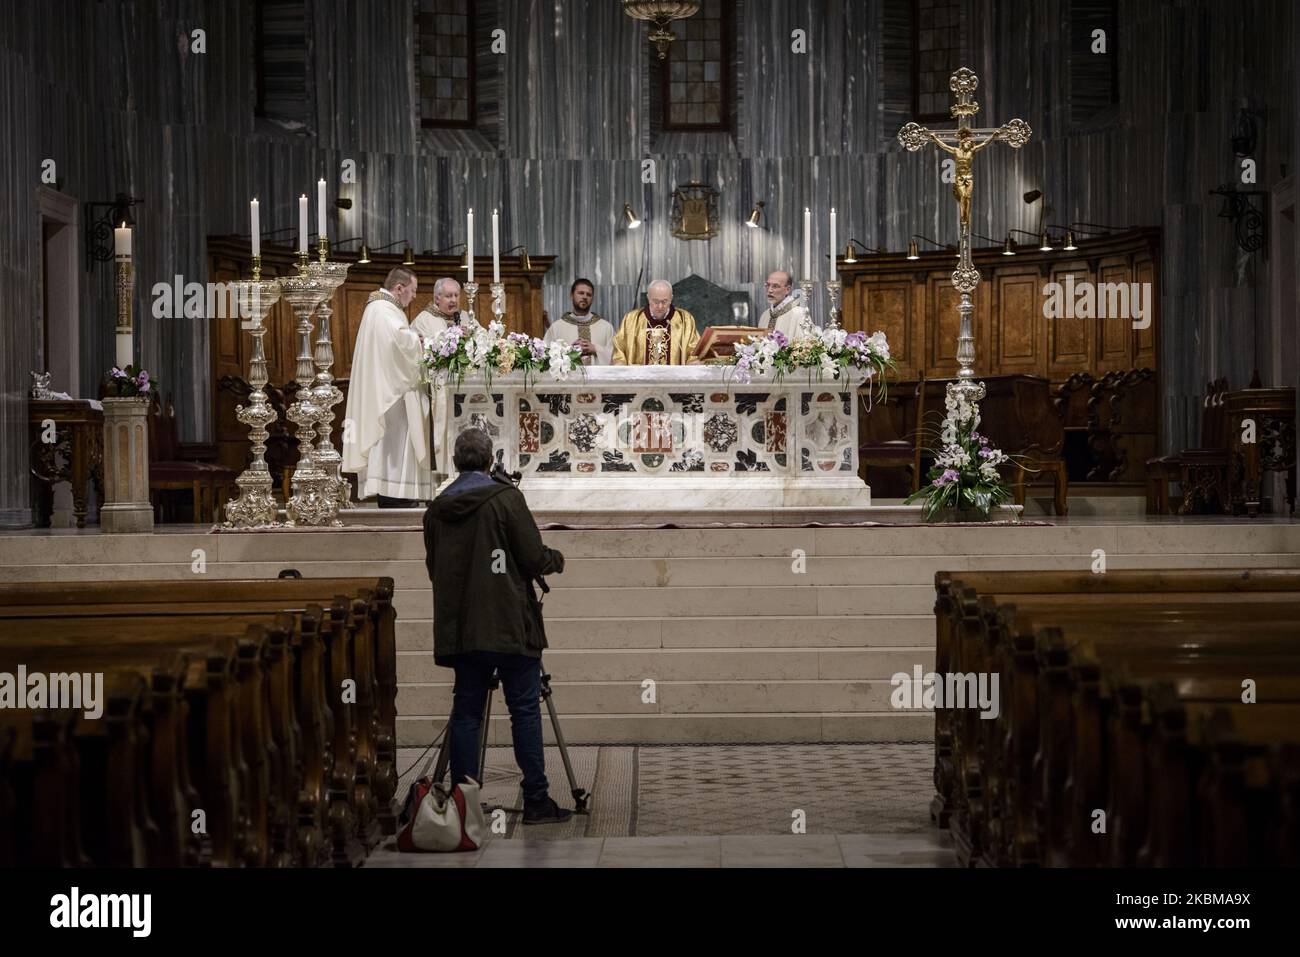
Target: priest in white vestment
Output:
{"points": [[593, 334], [786, 311], [388, 443], [442, 312]]}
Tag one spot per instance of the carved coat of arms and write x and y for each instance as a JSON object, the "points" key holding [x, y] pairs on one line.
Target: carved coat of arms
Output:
{"points": [[695, 211]]}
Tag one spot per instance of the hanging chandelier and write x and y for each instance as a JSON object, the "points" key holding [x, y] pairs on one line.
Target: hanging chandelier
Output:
{"points": [[661, 13]]}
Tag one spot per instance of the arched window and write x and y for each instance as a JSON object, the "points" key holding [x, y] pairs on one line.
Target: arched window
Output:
{"points": [[444, 59], [936, 54], [696, 79]]}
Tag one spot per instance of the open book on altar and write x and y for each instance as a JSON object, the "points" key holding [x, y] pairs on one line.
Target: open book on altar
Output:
{"points": [[719, 341]]}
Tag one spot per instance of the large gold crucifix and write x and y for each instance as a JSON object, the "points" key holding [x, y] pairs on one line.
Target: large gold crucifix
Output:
{"points": [[964, 142]]}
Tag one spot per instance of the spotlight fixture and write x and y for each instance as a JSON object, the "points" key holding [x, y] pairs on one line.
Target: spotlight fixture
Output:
{"points": [[850, 258], [913, 251], [1044, 240], [633, 222], [525, 263], [1008, 245], [1069, 241], [408, 258], [755, 215], [363, 256]]}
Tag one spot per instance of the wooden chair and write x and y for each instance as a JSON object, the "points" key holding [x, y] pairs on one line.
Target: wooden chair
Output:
{"points": [[206, 482], [1201, 472], [890, 438], [1123, 425]]}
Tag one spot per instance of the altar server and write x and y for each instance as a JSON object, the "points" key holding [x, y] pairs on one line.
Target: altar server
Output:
{"points": [[591, 333]]}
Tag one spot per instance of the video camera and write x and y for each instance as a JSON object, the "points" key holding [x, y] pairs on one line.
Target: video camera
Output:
{"points": [[498, 473]]}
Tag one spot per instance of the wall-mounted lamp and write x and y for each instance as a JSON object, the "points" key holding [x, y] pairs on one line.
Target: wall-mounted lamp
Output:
{"points": [[363, 256], [1069, 236], [755, 215], [1044, 239], [99, 226], [408, 259], [850, 258], [343, 202], [525, 263], [913, 252], [1008, 244], [633, 222]]}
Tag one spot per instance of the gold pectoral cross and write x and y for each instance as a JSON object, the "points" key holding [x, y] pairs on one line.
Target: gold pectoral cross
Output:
{"points": [[658, 346]]}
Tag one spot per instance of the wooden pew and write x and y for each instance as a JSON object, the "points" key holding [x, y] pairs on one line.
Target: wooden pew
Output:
{"points": [[970, 758], [45, 782], [165, 784], [226, 754], [1182, 737], [1019, 770], [360, 607]]}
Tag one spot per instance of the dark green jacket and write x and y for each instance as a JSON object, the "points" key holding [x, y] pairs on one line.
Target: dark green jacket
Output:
{"points": [[483, 551]]}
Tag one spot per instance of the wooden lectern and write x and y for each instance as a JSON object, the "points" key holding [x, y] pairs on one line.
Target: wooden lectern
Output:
{"points": [[718, 342]]}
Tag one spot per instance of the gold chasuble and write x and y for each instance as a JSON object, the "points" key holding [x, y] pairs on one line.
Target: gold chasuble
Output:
{"points": [[634, 340]]}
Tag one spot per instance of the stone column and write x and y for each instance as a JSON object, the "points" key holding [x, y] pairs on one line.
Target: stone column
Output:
{"points": [[126, 506]]}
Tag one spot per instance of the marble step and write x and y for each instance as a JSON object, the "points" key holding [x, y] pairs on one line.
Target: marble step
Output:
{"points": [[701, 664], [791, 600], [776, 631], [765, 728], [681, 697], [737, 570], [177, 547]]}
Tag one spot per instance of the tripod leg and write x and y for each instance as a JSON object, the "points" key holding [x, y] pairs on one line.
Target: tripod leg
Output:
{"points": [[444, 753], [483, 728], [580, 796]]}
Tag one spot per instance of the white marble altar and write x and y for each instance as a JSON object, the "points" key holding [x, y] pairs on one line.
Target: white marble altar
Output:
{"points": [[686, 437]]}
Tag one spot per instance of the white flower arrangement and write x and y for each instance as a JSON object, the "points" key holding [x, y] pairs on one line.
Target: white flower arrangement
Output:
{"points": [[828, 352], [456, 353], [965, 473]]}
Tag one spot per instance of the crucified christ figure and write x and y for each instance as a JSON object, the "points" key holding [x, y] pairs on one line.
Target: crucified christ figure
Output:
{"points": [[964, 183]]}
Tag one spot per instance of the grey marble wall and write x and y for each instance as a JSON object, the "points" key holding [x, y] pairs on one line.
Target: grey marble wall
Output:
{"points": [[113, 92]]}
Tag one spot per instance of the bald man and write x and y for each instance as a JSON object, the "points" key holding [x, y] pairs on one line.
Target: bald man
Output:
{"points": [[660, 334], [785, 311]]}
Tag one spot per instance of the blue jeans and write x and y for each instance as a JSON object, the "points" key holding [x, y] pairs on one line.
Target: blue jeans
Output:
{"points": [[521, 681]]}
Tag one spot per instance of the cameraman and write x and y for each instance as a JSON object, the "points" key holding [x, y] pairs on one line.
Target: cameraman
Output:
{"points": [[483, 551]]}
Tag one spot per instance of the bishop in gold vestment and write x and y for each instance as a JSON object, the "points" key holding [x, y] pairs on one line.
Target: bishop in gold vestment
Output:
{"points": [[660, 334]]}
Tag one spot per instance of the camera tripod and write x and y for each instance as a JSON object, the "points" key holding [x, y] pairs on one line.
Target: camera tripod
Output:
{"points": [[581, 797]]}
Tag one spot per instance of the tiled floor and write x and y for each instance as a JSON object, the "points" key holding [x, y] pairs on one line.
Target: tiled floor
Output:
{"points": [[852, 805]]}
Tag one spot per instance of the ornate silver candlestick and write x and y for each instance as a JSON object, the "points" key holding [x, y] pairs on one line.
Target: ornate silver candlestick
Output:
{"points": [[498, 299], [833, 287], [325, 394], [471, 299], [806, 326], [255, 505], [309, 504]]}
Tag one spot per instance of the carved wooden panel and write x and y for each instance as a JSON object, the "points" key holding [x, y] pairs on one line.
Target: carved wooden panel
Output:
{"points": [[1018, 322], [1114, 309]]}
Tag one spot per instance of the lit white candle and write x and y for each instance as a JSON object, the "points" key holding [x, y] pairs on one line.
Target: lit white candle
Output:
{"points": [[807, 243], [320, 207], [469, 245], [496, 249], [122, 241], [302, 223], [256, 228], [834, 276]]}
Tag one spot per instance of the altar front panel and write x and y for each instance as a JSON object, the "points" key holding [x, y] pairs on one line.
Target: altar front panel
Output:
{"points": [[626, 434]]}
